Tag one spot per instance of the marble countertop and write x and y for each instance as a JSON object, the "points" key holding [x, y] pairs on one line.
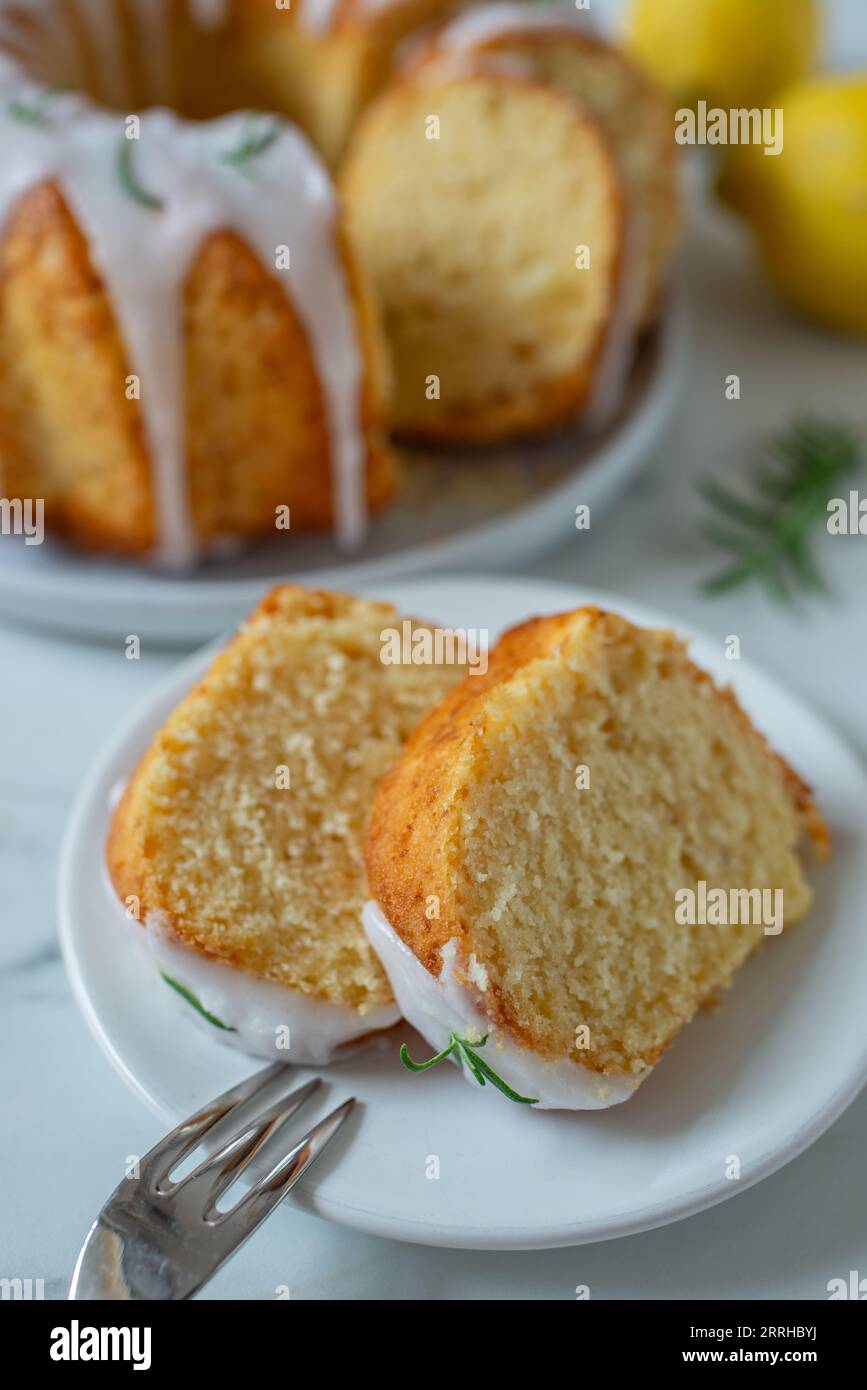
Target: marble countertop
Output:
{"points": [[68, 1116]]}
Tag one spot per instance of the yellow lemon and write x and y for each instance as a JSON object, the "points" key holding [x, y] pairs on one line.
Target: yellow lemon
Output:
{"points": [[808, 205], [729, 52]]}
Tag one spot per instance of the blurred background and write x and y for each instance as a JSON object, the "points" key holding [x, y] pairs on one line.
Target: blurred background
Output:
{"points": [[844, 23]]}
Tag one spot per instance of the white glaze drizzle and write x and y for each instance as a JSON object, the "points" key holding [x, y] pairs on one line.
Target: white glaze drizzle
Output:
{"points": [[437, 1006], [253, 1010], [256, 1012], [144, 254]]}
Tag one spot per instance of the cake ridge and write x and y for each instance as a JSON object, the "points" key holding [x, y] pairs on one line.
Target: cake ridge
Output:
{"points": [[144, 246]]}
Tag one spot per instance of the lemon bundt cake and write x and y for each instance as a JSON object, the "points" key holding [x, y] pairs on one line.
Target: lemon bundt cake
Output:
{"points": [[238, 842], [574, 852], [513, 196], [188, 353], [191, 346]]}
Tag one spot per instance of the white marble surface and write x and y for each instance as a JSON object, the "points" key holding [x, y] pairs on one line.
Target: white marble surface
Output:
{"points": [[68, 1121]]}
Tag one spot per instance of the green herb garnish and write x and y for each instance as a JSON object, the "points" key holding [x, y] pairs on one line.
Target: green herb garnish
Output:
{"points": [[253, 142], [126, 174], [35, 112], [768, 532], [196, 1003], [466, 1054]]}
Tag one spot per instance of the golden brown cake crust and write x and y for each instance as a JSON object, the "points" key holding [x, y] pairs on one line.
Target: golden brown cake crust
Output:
{"points": [[404, 850], [68, 433], [127, 869], [417, 810], [211, 843], [256, 424]]}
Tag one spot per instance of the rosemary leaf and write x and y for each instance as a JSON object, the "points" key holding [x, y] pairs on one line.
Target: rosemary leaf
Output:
{"points": [[806, 569], [431, 1062], [466, 1054], [35, 112], [495, 1080], [254, 142], [728, 579], [732, 506], [767, 529], [470, 1059], [197, 1004], [723, 537], [129, 182]]}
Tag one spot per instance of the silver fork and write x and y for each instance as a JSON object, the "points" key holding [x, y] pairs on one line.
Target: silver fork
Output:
{"points": [[156, 1239]]}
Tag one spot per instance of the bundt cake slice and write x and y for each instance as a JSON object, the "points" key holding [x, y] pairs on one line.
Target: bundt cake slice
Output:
{"points": [[238, 842], [514, 287], [189, 355], [552, 46], [132, 459], [487, 209], [574, 852]]}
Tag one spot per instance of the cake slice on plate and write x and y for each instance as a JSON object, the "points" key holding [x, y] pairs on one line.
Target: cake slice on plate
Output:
{"points": [[513, 195], [238, 842], [576, 851], [498, 267]]}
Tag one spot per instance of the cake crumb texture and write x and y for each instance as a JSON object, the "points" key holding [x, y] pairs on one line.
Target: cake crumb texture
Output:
{"points": [[265, 877], [562, 897]]}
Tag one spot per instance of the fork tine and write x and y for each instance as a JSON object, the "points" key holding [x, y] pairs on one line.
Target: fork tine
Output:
{"points": [[153, 1244], [261, 1200], [209, 1180], [185, 1136]]}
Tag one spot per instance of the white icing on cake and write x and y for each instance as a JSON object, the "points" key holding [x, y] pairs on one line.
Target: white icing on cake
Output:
{"points": [[439, 1006], [259, 1010], [144, 253]]}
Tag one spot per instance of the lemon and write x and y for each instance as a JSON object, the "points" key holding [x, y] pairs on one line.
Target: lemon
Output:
{"points": [[808, 205], [728, 52]]}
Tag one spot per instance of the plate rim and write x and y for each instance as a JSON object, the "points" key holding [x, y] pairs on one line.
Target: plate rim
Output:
{"points": [[624, 1222]]}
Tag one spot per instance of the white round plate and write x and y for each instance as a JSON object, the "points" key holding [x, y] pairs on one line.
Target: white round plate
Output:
{"points": [[761, 1077], [458, 509]]}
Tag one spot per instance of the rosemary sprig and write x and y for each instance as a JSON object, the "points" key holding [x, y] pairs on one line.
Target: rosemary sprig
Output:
{"points": [[767, 532], [466, 1054], [255, 140], [129, 181], [196, 1003], [35, 112]]}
